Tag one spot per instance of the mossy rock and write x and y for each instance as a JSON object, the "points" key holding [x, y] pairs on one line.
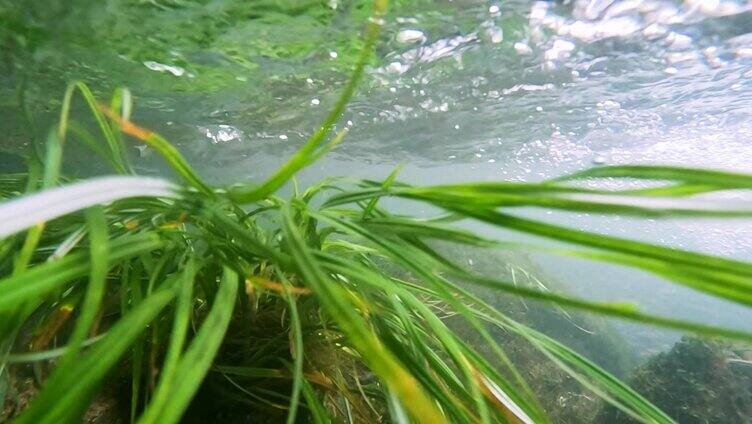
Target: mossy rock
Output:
{"points": [[696, 382]]}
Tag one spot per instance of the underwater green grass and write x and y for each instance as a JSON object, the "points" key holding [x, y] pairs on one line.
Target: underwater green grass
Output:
{"points": [[179, 288]]}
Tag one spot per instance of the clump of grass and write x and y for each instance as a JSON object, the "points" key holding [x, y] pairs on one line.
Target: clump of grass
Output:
{"points": [[322, 306]]}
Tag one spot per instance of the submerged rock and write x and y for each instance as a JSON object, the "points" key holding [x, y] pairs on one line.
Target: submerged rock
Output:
{"points": [[696, 382]]}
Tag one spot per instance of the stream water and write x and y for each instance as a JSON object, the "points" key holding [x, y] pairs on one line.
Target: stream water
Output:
{"points": [[462, 90]]}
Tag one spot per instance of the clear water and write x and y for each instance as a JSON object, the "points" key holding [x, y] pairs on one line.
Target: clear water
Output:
{"points": [[462, 90]]}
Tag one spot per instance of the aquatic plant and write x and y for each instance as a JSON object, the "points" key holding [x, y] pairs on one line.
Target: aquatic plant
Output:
{"points": [[321, 305]]}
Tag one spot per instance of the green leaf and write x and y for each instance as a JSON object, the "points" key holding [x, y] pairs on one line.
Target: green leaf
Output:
{"points": [[298, 351], [318, 410], [99, 252], [693, 176]]}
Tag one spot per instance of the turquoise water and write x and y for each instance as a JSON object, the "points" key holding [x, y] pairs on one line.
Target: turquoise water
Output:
{"points": [[460, 90]]}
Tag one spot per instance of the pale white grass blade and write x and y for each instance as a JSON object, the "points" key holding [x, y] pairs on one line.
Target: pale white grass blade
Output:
{"points": [[19, 214]]}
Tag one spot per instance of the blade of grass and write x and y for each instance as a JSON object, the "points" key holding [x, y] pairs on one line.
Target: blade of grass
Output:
{"points": [[46, 355], [19, 214], [609, 243], [98, 254], [297, 349], [693, 176], [52, 164], [317, 409], [574, 199]]}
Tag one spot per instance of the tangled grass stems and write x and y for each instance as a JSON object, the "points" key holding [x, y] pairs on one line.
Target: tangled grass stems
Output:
{"points": [[296, 301]]}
